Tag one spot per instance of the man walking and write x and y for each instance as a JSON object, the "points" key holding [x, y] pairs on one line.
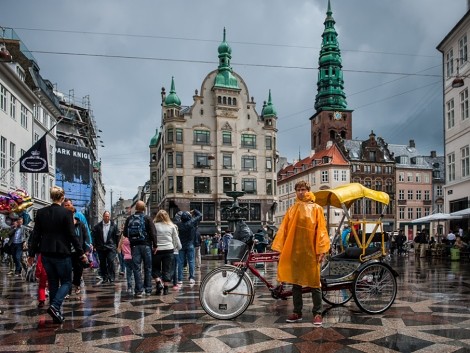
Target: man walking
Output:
{"points": [[105, 235], [187, 233], [140, 230], [303, 241], [17, 238]]}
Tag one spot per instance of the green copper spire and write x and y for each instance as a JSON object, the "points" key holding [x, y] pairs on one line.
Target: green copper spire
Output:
{"points": [[225, 78], [154, 139], [268, 109], [172, 99], [330, 85]]}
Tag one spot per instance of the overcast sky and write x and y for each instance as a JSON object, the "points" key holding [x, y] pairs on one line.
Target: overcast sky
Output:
{"points": [[392, 70]]}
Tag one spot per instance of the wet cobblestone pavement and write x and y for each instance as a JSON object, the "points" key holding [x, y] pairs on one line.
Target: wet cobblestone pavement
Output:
{"points": [[431, 314]]}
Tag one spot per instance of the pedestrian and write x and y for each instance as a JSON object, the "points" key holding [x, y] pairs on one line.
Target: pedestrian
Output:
{"points": [[345, 234], [77, 265], [187, 232], [105, 235], [303, 242], [53, 238], [68, 203], [140, 230], [162, 260], [401, 239], [124, 247], [197, 248], [18, 237], [225, 243]]}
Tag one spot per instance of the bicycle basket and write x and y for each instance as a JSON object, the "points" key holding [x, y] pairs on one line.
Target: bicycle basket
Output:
{"points": [[236, 250]]}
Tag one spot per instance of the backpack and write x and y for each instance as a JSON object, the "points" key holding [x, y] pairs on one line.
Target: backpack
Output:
{"points": [[136, 228]]}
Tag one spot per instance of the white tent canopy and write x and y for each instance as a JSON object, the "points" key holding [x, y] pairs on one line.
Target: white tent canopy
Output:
{"points": [[435, 217], [462, 213]]}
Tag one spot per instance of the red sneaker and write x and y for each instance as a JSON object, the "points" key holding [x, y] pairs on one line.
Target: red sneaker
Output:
{"points": [[294, 317], [317, 320]]}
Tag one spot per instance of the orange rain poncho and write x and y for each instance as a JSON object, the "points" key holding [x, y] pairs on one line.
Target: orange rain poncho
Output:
{"points": [[301, 236]]}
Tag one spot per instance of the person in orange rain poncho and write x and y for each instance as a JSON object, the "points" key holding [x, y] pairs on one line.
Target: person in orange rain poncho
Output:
{"points": [[303, 241]]}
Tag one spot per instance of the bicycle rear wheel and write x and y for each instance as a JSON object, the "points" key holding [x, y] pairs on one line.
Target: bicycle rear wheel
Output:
{"points": [[337, 296], [226, 306]]}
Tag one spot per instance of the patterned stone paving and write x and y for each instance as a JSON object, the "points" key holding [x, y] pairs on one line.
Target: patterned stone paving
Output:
{"points": [[431, 314]]}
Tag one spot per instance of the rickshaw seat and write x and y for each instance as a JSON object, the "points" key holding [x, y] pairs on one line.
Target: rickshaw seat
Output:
{"points": [[353, 253]]}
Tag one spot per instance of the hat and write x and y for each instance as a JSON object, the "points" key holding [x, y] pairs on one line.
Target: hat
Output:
{"points": [[186, 216]]}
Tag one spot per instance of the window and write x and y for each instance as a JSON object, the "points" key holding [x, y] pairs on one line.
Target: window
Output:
{"points": [[410, 213], [3, 98], [249, 163], [450, 114], [409, 177], [201, 160], [227, 138], [367, 169], [450, 63], [418, 195], [269, 187], [451, 167], [35, 185], [336, 175], [43, 187], [24, 117], [51, 155], [202, 137], [426, 178], [13, 106], [418, 212], [227, 161], [179, 184], [401, 194], [269, 143], [24, 176], [179, 135], [427, 211], [427, 195], [378, 185], [418, 177], [227, 184], [171, 184], [464, 104], [465, 161], [410, 194], [401, 176], [154, 177], [389, 186], [324, 176], [12, 163], [248, 141], [249, 185], [269, 164], [169, 160], [463, 55], [344, 175], [439, 190], [202, 185], [401, 212], [3, 158], [378, 169], [179, 159], [169, 136]]}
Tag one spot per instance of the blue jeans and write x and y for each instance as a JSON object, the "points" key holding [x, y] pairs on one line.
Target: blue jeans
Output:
{"points": [[130, 271], [59, 276], [17, 253], [187, 252], [142, 253]]}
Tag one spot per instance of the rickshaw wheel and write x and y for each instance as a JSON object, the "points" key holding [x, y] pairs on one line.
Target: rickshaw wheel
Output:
{"points": [[337, 296], [375, 288]]}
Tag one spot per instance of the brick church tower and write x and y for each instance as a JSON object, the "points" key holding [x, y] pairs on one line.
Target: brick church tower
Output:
{"points": [[332, 117]]}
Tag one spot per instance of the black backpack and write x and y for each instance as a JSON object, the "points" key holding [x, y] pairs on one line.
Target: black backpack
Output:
{"points": [[136, 228]]}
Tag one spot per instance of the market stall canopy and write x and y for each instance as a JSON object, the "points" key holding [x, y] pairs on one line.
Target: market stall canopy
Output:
{"points": [[436, 217], [462, 213], [347, 194]]}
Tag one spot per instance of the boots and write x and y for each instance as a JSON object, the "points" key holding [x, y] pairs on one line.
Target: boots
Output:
{"points": [[165, 290], [159, 287]]}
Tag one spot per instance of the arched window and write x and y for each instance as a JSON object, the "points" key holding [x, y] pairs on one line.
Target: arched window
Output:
{"points": [[219, 99], [225, 100], [229, 101], [234, 101]]}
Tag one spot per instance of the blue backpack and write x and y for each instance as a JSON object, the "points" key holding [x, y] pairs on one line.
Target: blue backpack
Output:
{"points": [[136, 228]]}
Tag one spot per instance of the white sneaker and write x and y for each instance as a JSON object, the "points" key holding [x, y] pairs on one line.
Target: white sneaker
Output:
{"points": [[192, 281]]}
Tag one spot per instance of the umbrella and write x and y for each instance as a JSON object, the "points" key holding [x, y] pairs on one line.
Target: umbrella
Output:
{"points": [[462, 213], [436, 217]]}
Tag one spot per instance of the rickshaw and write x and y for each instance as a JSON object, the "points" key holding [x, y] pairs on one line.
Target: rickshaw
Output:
{"points": [[360, 271]]}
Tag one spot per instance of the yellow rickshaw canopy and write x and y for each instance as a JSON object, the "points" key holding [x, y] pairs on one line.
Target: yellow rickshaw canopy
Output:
{"points": [[347, 194]]}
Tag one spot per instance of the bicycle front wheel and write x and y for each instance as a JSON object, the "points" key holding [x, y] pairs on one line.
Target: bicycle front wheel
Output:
{"points": [[224, 305]]}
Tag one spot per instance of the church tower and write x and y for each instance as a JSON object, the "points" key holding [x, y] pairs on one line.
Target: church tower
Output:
{"points": [[332, 118]]}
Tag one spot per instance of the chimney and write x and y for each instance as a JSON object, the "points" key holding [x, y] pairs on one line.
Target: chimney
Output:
{"points": [[433, 153], [412, 142]]}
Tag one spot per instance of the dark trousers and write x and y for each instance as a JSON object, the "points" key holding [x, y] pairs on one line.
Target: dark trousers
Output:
{"points": [[17, 253], [77, 269], [298, 302], [107, 257], [59, 276], [162, 265]]}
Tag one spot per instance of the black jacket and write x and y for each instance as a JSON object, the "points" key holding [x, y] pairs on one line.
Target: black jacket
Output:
{"points": [[54, 233], [81, 233], [149, 228], [98, 238]]}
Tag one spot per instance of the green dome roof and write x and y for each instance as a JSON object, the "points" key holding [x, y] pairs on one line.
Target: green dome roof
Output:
{"points": [[268, 109], [172, 99], [154, 140], [225, 78]]}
